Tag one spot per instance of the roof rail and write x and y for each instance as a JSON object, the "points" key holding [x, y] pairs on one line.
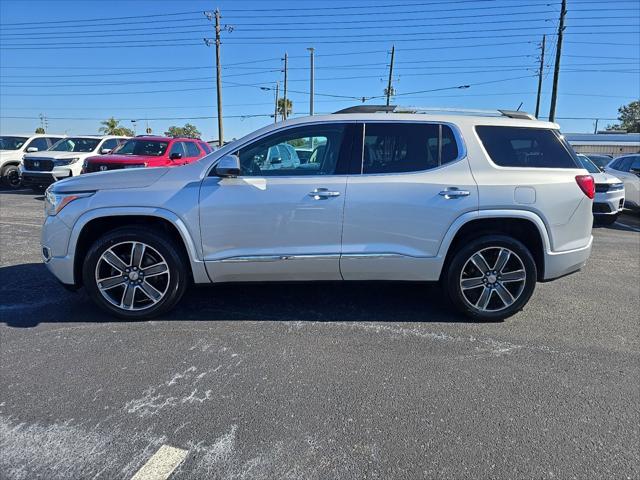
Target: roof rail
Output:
{"points": [[457, 111]]}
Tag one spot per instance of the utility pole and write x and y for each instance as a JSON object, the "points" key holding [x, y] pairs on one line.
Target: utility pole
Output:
{"points": [[208, 42], [540, 72], [595, 128], [219, 80], [556, 70], [311, 66], [44, 123], [275, 113], [284, 106], [389, 87]]}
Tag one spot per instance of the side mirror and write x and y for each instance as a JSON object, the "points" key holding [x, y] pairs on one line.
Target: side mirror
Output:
{"points": [[32, 149], [105, 151], [635, 171], [175, 156], [275, 160], [228, 166]]}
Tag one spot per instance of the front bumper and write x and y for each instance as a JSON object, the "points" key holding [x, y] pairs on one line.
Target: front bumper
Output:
{"points": [[31, 177], [54, 242], [608, 203], [558, 264]]}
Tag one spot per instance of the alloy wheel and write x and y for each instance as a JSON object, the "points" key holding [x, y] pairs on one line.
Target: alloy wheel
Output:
{"points": [[492, 279], [132, 276]]}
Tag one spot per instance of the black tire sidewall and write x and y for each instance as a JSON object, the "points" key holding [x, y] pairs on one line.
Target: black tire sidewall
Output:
{"points": [[156, 239], [452, 283], [5, 176]]}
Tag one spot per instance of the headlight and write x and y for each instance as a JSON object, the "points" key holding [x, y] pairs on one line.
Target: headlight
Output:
{"points": [[54, 202], [616, 186], [66, 161]]}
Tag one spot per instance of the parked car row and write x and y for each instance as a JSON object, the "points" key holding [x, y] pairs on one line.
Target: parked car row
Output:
{"points": [[39, 160]]}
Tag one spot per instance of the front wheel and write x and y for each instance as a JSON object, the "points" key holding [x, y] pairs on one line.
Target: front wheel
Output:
{"points": [[135, 273], [11, 177], [491, 278]]}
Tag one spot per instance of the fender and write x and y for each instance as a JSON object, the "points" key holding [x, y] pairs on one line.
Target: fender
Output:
{"points": [[467, 217], [197, 265]]}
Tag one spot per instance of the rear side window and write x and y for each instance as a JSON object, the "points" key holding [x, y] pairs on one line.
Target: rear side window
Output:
{"points": [[192, 149], [405, 147], [526, 147], [205, 147]]}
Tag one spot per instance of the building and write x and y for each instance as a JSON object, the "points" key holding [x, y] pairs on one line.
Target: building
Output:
{"points": [[614, 144]]}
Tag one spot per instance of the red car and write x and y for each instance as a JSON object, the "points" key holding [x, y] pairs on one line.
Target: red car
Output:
{"points": [[148, 151]]}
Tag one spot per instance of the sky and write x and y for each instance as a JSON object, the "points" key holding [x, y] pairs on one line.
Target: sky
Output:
{"points": [[78, 62]]}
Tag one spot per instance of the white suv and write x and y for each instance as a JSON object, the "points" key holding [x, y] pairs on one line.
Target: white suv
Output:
{"points": [[13, 148], [487, 205], [64, 159]]}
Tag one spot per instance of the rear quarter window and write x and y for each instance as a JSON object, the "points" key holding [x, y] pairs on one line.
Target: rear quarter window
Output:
{"points": [[526, 147]]}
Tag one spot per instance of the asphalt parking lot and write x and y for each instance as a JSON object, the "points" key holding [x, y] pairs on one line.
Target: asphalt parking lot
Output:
{"points": [[327, 380]]}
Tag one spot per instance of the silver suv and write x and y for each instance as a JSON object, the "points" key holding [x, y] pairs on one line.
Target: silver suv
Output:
{"points": [[485, 204]]}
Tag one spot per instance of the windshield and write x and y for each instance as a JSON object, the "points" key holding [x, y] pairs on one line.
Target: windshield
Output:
{"points": [[588, 164], [76, 144], [152, 148], [12, 143]]}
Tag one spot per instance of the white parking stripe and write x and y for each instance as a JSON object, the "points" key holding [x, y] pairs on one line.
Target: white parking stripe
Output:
{"points": [[161, 464], [635, 229], [22, 224]]}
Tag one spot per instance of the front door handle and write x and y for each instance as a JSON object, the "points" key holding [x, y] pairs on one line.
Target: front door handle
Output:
{"points": [[453, 192], [323, 194]]}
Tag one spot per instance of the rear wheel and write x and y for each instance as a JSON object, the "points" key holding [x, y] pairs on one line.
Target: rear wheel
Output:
{"points": [[135, 274], [491, 278], [11, 177]]}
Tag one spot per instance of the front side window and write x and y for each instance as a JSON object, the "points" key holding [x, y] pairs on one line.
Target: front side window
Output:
{"points": [[110, 144], [177, 149], [39, 143], [76, 144], [405, 147], [148, 148], [12, 143], [525, 147], [276, 155]]}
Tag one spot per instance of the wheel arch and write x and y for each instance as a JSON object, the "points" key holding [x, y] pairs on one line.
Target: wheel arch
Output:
{"points": [[96, 223], [525, 226]]}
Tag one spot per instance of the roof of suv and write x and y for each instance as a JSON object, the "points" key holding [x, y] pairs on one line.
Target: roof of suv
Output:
{"points": [[163, 139]]}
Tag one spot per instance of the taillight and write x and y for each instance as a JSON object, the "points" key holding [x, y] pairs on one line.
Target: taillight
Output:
{"points": [[587, 185]]}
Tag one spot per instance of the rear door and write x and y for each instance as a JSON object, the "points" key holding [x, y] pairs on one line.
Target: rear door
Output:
{"points": [[414, 182]]}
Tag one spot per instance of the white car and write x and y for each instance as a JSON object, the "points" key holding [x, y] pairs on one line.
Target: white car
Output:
{"points": [[13, 148], [627, 168], [64, 159], [609, 200], [485, 204]]}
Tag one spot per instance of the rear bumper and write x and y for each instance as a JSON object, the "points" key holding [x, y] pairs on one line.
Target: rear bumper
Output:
{"points": [[608, 203], [558, 264]]}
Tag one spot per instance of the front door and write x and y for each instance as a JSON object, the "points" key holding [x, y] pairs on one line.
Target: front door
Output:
{"points": [[281, 219], [415, 182]]}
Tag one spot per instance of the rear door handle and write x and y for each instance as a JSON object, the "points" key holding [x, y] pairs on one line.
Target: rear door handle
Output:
{"points": [[323, 194], [453, 192]]}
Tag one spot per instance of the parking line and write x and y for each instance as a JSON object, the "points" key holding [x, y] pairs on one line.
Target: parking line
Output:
{"points": [[161, 464], [22, 224], [635, 229]]}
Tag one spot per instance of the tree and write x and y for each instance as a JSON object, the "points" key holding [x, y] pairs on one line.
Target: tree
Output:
{"points": [[188, 131], [629, 116], [40, 130], [281, 106], [111, 126]]}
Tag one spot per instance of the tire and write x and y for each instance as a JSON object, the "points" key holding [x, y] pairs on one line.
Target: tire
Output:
{"points": [[11, 177], [520, 268], [605, 219], [153, 294]]}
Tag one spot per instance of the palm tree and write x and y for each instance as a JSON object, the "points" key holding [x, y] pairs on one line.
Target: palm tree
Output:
{"points": [[281, 106], [111, 126]]}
